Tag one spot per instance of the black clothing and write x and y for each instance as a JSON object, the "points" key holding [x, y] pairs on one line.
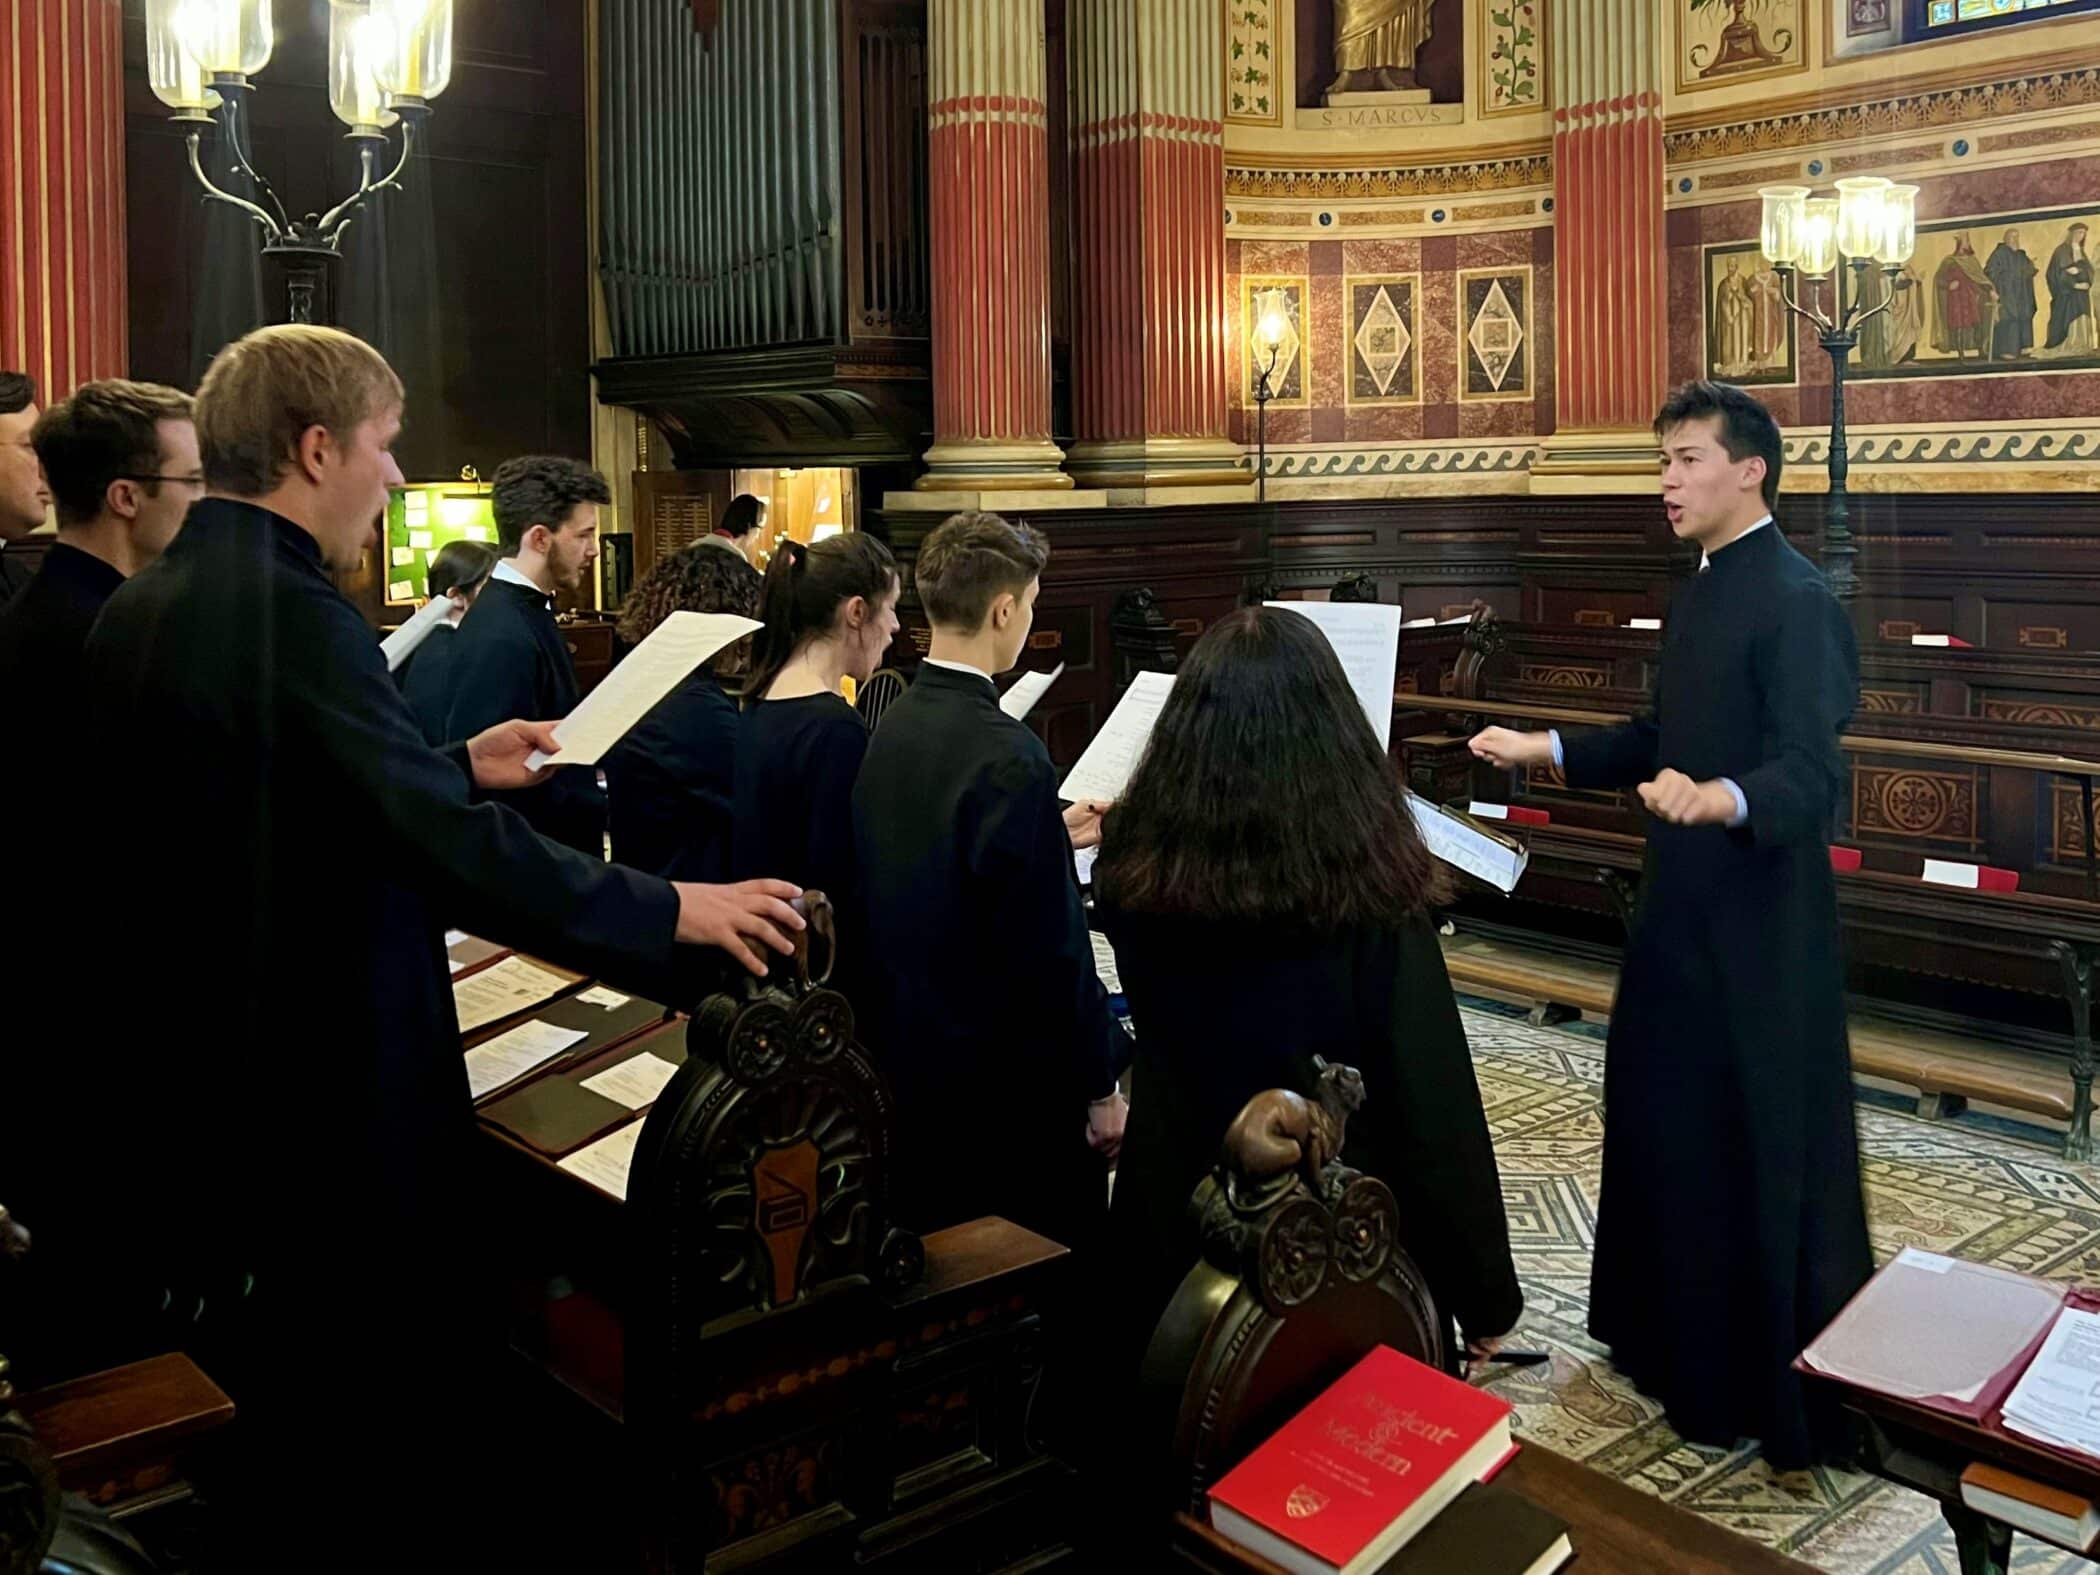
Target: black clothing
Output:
{"points": [[2070, 293], [425, 682], [15, 573], [1226, 1010], [1730, 1144], [2012, 274], [795, 765], [280, 1115], [671, 781], [987, 1017], [510, 662], [42, 632]]}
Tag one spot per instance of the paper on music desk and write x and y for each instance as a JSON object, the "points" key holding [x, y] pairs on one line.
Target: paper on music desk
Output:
{"points": [[636, 1082], [2057, 1399], [1462, 847], [1018, 701], [1104, 770], [509, 1056], [625, 695], [605, 1163], [1366, 637], [510, 986], [598, 995]]}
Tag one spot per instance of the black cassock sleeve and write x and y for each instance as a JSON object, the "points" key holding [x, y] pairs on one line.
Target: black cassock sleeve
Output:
{"points": [[491, 681], [1022, 854], [1425, 1134], [481, 865], [1617, 757], [1806, 663]]}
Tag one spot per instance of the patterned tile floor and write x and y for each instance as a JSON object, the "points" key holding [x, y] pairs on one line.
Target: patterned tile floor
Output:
{"points": [[1989, 1190]]}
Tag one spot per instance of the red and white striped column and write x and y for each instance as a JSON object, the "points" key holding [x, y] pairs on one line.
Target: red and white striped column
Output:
{"points": [[989, 190], [1611, 282], [62, 285], [1148, 138]]}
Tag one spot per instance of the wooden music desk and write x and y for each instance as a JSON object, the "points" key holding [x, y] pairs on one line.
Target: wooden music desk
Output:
{"points": [[1926, 1451], [1615, 1529]]}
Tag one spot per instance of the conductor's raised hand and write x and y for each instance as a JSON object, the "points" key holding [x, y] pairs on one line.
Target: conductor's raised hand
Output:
{"points": [[1677, 799], [732, 917], [1506, 749], [498, 755], [1083, 822]]}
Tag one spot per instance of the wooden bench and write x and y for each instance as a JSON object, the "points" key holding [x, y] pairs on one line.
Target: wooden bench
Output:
{"points": [[1948, 1070]]}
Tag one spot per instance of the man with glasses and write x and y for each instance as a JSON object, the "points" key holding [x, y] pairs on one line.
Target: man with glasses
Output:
{"points": [[22, 497]]}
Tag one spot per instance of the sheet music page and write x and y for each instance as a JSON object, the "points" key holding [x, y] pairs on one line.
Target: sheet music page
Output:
{"points": [[2057, 1399], [1104, 770], [1105, 963], [651, 670], [635, 1082], [605, 1163], [509, 1056], [1018, 701], [510, 986], [1460, 846], [1366, 637]]}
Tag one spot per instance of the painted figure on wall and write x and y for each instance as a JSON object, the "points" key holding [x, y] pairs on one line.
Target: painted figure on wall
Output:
{"points": [[2012, 274], [1770, 321], [1735, 342], [1965, 304], [1891, 339], [1376, 42], [2071, 296]]}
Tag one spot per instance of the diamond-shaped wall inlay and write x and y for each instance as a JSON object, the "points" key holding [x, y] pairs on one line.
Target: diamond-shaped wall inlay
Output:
{"points": [[1382, 340], [1496, 335]]}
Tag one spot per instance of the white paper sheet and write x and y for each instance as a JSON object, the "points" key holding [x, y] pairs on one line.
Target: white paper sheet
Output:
{"points": [[1945, 872], [651, 670], [2057, 1399], [1366, 637], [1018, 701], [1105, 963], [422, 623], [636, 1082], [510, 986], [1104, 770], [454, 937], [1460, 846], [605, 1163], [598, 995], [1083, 864], [511, 1055]]}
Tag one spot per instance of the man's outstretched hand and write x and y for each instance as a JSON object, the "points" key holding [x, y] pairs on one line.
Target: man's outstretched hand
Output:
{"points": [[732, 917], [498, 755]]}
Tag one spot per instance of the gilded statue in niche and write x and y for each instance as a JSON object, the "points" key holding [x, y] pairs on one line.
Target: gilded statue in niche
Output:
{"points": [[1375, 45]]}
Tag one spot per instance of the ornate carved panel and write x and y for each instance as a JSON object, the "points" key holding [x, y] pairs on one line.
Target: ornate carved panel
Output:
{"points": [[2066, 835], [1888, 702], [1915, 804], [1565, 675], [2040, 713]]}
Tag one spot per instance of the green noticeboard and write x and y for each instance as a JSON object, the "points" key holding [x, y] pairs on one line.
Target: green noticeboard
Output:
{"points": [[423, 517]]}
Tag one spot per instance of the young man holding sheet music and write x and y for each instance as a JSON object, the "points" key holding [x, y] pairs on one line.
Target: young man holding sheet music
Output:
{"points": [[992, 1026], [1730, 1226], [276, 1133]]}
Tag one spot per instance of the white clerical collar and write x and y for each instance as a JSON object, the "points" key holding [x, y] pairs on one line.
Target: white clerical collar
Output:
{"points": [[958, 667], [507, 570], [1706, 558]]}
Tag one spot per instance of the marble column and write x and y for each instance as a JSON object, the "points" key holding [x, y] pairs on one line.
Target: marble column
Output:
{"points": [[1610, 263], [62, 283], [1148, 141], [988, 180]]}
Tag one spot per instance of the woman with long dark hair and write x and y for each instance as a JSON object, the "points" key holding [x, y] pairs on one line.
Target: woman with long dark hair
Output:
{"points": [[671, 782], [458, 571], [1268, 899], [830, 609]]}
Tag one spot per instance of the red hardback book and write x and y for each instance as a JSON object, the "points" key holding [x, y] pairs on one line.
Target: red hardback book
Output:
{"points": [[1845, 860], [1515, 814], [1363, 1468]]}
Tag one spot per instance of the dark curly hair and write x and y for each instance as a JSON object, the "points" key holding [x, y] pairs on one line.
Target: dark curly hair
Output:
{"points": [[694, 579], [1263, 794], [541, 489], [17, 393]]}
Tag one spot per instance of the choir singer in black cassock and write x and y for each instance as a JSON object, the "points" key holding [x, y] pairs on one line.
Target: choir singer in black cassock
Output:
{"points": [[988, 1018], [280, 1123], [1730, 1224], [509, 658]]}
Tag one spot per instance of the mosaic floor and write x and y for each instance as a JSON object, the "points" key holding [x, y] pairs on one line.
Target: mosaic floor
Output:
{"points": [[1976, 1188]]}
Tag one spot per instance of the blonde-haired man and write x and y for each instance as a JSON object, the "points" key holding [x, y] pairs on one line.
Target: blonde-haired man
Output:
{"points": [[283, 1067]]}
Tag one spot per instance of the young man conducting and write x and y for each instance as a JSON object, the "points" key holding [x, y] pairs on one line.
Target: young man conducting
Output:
{"points": [[277, 1117], [509, 657], [993, 1028], [1730, 1225]]}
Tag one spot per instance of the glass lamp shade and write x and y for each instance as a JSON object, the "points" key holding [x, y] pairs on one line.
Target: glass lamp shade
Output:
{"points": [[1272, 318], [1819, 250], [1780, 236], [417, 60], [179, 79], [1859, 222], [355, 40], [230, 36], [1899, 225]]}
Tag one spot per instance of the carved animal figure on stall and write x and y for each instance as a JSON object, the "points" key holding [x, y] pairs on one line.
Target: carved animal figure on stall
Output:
{"points": [[1279, 1132]]}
